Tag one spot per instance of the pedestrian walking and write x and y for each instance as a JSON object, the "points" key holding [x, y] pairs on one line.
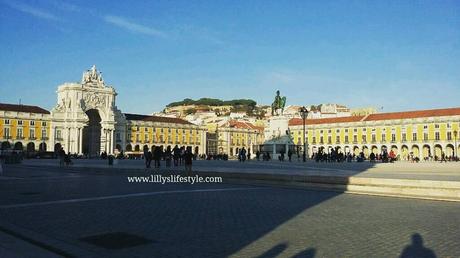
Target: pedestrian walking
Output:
{"points": [[176, 154], [157, 153], [149, 158], [61, 155], [146, 157], [243, 154], [290, 155], [168, 154], [188, 159]]}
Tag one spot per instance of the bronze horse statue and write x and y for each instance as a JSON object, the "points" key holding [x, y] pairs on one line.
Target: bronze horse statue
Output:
{"points": [[279, 103]]}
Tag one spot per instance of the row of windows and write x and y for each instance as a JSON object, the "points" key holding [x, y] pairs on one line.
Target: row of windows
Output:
{"points": [[20, 133], [437, 126], [161, 138], [146, 129], [21, 122], [437, 137]]}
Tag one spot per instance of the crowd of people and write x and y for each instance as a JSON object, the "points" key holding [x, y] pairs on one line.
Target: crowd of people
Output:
{"points": [[175, 156], [179, 156], [334, 155]]}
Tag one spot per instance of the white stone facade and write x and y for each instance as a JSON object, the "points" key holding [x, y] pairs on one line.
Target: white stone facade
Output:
{"points": [[71, 116]]}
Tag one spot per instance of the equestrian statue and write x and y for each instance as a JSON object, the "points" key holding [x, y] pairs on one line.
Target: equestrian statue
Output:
{"points": [[278, 105]]}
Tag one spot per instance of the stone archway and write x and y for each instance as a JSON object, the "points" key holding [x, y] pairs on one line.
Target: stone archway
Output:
{"points": [[42, 146], [5, 145], [366, 151], [338, 149], [91, 142], [18, 146], [437, 151], [30, 147], [129, 147], [374, 149], [415, 151], [57, 147], [86, 116], [404, 152], [450, 150], [356, 150], [426, 151], [395, 150]]}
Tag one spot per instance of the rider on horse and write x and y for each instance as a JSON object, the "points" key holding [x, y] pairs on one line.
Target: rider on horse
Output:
{"points": [[279, 103]]}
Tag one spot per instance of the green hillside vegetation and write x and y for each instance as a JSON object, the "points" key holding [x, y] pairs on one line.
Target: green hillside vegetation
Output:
{"points": [[214, 102]]}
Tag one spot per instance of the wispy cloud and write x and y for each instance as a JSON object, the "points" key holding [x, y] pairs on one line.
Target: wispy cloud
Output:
{"points": [[31, 10], [133, 27], [65, 6]]}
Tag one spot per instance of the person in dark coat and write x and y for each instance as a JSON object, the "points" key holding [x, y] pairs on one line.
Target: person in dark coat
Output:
{"points": [[188, 159], [176, 155], [146, 157], [157, 153]]}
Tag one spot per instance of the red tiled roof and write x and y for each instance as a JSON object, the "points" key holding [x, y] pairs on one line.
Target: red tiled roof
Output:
{"points": [[332, 120], [23, 108], [414, 114], [381, 116], [160, 119], [244, 125]]}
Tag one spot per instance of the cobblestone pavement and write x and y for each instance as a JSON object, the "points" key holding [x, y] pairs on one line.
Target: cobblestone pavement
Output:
{"points": [[58, 209], [399, 170]]}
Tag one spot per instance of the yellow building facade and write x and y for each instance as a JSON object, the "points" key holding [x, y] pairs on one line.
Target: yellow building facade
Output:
{"points": [[24, 127], [424, 133], [148, 131], [236, 135], [28, 128]]}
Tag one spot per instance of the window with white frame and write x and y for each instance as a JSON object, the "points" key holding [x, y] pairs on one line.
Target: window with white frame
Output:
{"points": [[6, 132], [19, 134]]}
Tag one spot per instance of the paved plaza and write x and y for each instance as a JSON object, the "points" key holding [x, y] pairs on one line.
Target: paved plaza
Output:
{"points": [[398, 170], [48, 211]]}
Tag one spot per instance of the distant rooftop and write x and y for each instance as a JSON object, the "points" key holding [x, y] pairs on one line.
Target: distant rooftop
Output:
{"points": [[23, 108], [381, 116], [161, 119]]}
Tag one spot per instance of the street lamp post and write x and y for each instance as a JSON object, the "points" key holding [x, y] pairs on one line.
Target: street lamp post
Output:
{"points": [[304, 112], [455, 147]]}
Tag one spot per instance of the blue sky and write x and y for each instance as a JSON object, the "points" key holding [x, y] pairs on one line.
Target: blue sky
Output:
{"points": [[399, 55]]}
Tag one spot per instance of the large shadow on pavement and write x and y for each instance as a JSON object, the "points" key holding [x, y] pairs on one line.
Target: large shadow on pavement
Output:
{"points": [[196, 224]]}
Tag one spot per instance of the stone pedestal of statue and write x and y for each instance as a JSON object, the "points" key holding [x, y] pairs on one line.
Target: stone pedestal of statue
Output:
{"points": [[277, 138]]}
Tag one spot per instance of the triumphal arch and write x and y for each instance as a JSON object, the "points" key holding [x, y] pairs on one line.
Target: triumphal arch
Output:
{"points": [[85, 118]]}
